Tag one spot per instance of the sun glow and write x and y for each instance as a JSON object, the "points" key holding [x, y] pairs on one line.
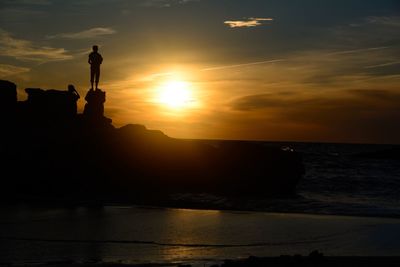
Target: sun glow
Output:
{"points": [[175, 94]]}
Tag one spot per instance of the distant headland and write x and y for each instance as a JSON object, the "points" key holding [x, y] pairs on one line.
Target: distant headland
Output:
{"points": [[50, 151]]}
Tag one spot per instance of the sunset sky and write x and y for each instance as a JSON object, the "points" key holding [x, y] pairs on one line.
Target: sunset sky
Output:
{"points": [[295, 70]]}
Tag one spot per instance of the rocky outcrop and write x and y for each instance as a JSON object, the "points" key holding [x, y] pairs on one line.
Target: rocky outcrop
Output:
{"points": [[8, 92], [53, 152], [94, 108], [50, 105], [8, 98]]}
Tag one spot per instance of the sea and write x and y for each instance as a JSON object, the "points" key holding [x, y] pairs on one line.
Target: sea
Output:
{"points": [[345, 205], [340, 179]]}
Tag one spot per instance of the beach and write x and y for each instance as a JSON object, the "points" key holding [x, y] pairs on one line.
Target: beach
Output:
{"points": [[148, 235]]}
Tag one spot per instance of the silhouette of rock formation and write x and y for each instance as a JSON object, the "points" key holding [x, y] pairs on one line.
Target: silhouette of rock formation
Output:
{"points": [[51, 151], [8, 98], [94, 108], [50, 105]]}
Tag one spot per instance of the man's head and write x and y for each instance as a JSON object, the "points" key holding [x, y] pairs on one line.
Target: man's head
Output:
{"points": [[71, 88], [95, 48]]}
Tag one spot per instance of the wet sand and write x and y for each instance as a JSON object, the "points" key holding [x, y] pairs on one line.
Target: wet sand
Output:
{"points": [[140, 235]]}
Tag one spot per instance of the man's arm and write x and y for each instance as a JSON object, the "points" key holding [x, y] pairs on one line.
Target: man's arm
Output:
{"points": [[76, 93]]}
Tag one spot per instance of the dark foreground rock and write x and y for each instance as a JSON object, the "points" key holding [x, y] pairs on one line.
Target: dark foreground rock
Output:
{"points": [[48, 150]]}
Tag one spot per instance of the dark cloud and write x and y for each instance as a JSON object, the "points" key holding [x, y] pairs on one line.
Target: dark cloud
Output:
{"points": [[163, 3], [261, 101], [391, 68], [388, 97], [349, 98], [85, 34], [365, 115]]}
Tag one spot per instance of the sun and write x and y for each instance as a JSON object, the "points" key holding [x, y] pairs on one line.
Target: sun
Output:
{"points": [[175, 94]]}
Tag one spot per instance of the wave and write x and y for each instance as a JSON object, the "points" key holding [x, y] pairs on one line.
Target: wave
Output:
{"points": [[141, 242]]}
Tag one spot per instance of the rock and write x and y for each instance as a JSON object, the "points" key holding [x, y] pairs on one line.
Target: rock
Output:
{"points": [[8, 97], [93, 112], [51, 105], [82, 156], [315, 254], [94, 108]]}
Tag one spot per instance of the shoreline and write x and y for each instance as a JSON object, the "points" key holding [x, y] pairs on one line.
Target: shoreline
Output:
{"points": [[44, 203], [161, 235]]}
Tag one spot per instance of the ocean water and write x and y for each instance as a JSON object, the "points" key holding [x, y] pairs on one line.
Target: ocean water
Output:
{"points": [[337, 182], [345, 205]]}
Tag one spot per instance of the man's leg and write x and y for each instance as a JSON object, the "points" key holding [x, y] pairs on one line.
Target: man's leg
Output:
{"points": [[97, 77], [92, 72]]}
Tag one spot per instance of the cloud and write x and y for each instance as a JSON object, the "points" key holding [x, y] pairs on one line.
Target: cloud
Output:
{"points": [[29, 2], [258, 101], [355, 115], [338, 68], [291, 101], [164, 3], [376, 95], [362, 50], [8, 70], [26, 50], [243, 65], [250, 22], [86, 34], [393, 21], [383, 65], [370, 31]]}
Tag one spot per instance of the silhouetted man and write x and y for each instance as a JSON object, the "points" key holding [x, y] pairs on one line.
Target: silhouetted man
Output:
{"points": [[72, 98], [95, 60]]}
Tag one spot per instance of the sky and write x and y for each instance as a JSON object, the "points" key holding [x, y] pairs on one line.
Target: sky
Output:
{"points": [[276, 70]]}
